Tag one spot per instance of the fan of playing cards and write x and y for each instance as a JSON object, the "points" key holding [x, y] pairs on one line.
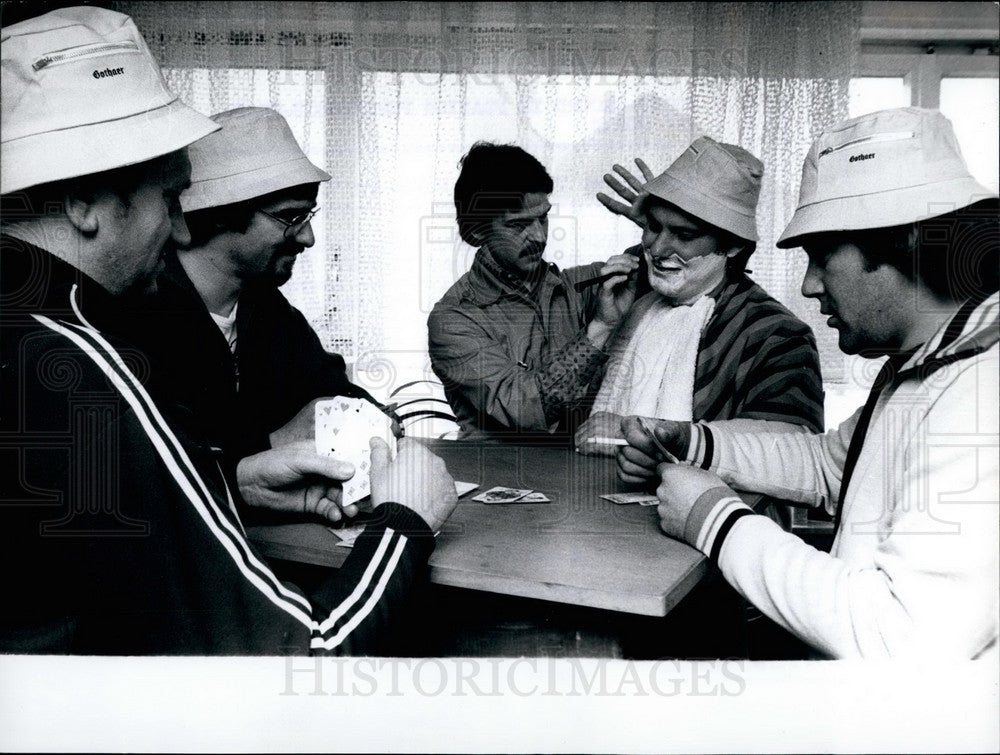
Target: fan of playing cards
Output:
{"points": [[343, 429]]}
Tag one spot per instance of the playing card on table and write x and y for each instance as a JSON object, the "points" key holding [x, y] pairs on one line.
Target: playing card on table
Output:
{"points": [[343, 429], [501, 495], [643, 499], [534, 498], [461, 488]]}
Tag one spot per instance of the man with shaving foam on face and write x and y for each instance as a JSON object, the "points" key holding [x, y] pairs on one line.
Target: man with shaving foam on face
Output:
{"points": [[707, 342], [902, 246]]}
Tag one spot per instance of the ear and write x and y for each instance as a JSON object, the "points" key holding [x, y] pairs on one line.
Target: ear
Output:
{"points": [[82, 212], [478, 232], [733, 250]]}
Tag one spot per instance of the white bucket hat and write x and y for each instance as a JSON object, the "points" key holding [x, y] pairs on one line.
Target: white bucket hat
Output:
{"points": [[253, 154], [715, 182], [883, 169], [82, 94]]}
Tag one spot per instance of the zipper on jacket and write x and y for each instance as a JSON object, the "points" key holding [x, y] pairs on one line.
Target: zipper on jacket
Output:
{"points": [[84, 51], [889, 136]]}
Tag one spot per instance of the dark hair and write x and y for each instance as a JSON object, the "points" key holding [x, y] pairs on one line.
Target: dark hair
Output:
{"points": [[47, 199], [736, 265], [955, 255], [493, 180], [209, 222]]}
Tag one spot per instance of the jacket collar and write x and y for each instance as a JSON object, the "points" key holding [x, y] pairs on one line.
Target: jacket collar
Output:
{"points": [[36, 281], [488, 283]]}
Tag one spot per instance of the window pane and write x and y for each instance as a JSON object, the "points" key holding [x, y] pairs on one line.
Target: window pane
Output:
{"points": [[972, 105], [871, 93]]}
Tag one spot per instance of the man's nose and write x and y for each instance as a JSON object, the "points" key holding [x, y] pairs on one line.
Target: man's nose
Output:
{"points": [[178, 228], [305, 235], [538, 232], [662, 245], [812, 281]]}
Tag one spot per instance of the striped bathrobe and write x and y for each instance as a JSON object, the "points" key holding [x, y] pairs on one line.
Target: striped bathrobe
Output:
{"points": [[756, 360]]}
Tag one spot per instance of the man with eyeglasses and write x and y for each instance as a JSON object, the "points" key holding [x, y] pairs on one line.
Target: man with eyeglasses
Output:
{"points": [[118, 534], [235, 351]]}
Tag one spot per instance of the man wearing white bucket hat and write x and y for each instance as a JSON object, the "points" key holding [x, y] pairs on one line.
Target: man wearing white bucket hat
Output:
{"points": [[707, 343], [117, 528], [233, 349], [903, 255]]}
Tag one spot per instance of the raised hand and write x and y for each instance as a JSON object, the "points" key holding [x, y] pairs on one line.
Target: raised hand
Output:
{"points": [[630, 191]]}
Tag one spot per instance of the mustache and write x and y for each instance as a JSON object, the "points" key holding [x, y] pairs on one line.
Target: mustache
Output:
{"points": [[289, 249]]}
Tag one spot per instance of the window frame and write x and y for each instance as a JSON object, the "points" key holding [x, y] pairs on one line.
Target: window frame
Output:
{"points": [[922, 71]]}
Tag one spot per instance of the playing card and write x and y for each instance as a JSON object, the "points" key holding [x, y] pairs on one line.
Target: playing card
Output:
{"points": [[643, 499], [501, 495], [347, 535], [461, 488], [343, 429]]}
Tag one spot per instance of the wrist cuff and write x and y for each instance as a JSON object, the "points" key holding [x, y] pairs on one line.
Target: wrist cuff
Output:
{"points": [[710, 519], [701, 447], [395, 516]]}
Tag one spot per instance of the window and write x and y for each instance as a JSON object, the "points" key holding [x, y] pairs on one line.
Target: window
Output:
{"points": [[973, 105], [870, 93]]}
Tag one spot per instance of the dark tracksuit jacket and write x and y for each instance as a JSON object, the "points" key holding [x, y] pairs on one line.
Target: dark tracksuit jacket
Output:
{"points": [[118, 533], [237, 399]]}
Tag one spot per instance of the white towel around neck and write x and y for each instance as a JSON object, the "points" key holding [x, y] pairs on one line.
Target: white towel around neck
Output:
{"points": [[652, 375]]}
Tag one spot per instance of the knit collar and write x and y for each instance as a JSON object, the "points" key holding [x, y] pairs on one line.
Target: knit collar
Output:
{"points": [[972, 330]]}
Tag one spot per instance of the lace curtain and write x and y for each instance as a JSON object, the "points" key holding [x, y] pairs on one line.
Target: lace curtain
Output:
{"points": [[389, 96]]}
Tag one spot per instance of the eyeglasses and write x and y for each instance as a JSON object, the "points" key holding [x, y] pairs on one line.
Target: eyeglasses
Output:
{"points": [[296, 224]]}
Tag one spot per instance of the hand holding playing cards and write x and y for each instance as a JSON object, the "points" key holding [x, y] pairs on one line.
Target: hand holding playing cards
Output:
{"points": [[638, 460], [295, 478], [593, 435], [416, 479], [303, 425]]}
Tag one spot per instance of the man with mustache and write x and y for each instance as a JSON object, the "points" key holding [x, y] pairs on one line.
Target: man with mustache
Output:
{"points": [[237, 354], [513, 342], [902, 247]]}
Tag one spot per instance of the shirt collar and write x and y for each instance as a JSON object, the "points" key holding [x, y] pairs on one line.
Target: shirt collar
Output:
{"points": [[488, 283]]}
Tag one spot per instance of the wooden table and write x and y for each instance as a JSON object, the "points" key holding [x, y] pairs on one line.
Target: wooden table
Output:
{"points": [[579, 549]]}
